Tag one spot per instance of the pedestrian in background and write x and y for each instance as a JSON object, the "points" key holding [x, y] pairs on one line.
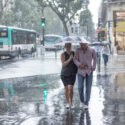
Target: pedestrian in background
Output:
{"points": [[85, 59], [68, 74], [110, 46], [105, 53], [98, 48]]}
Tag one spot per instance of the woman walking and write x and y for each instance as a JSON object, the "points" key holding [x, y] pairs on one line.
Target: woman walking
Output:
{"points": [[68, 74], [106, 53]]}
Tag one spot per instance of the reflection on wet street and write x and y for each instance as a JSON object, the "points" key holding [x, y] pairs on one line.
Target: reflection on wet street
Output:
{"points": [[39, 100], [31, 93]]}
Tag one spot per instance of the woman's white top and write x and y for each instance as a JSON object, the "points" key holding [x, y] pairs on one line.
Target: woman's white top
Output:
{"points": [[106, 50]]}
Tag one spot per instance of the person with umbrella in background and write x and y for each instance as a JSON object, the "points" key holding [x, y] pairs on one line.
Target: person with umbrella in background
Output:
{"points": [[68, 73], [106, 53], [98, 48]]}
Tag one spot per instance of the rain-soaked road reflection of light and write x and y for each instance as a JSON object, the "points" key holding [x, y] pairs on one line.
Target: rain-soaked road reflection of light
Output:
{"points": [[52, 98], [39, 100], [114, 99], [31, 121], [47, 64], [85, 118]]}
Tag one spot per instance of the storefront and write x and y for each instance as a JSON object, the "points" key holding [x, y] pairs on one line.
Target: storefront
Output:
{"points": [[120, 29]]}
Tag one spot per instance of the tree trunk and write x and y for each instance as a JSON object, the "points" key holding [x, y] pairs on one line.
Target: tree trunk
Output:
{"points": [[65, 27]]}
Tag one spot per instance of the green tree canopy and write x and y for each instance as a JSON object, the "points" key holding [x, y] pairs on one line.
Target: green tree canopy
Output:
{"points": [[27, 14], [86, 22], [65, 9]]}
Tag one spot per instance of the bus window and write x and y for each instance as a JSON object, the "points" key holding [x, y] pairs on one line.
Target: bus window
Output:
{"points": [[31, 38], [14, 37], [3, 32]]}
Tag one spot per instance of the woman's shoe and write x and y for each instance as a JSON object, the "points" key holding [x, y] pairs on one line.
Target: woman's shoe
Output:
{"points": [[67, 106], [72, 106]]}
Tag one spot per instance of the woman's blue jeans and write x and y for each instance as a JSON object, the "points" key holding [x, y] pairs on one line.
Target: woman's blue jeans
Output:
{"points": [[88, 84], [105, 57]]}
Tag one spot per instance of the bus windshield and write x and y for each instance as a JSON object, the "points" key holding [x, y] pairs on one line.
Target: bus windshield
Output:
{"points": [[3, 32], [51, 39]]}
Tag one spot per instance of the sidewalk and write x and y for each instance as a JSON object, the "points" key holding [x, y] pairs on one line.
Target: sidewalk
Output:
{"points": [[115, 64]]}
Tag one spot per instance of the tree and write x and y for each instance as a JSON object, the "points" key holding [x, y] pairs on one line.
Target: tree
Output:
{"points": [[53, 23], [66, 10], [86, 22], [27, 14], [5, 6]]}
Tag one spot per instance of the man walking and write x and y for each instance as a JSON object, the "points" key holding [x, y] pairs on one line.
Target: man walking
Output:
{"points": [[85, 59]]}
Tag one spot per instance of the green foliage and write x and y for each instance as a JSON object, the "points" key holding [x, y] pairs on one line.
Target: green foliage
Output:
{"points": [[27, 14], [53, 23], [86, 22], [66, 10]]}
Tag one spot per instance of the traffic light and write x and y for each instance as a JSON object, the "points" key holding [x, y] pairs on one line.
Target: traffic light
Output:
{"points": [[43, 23], [101, 35]]}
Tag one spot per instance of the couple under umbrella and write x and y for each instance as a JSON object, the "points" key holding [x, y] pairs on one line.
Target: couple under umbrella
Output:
{"points": [[80, 63]]}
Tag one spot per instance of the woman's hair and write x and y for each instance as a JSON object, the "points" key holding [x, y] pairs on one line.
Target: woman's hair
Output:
{"points": [[68, 44]]}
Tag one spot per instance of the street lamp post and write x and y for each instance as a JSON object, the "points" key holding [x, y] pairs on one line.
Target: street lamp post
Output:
{"points": [[43, 24], [43, 29]]}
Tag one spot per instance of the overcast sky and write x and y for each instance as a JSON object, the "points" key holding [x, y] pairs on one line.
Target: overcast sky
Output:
{"points": [[94, 6]]}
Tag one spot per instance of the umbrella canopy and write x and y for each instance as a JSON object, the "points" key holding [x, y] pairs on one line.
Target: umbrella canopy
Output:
{"points": [[96, 43], [68, 39], [105, 42], [75, 40]]}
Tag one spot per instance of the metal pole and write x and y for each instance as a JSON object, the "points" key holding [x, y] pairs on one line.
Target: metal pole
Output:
{"points": [[115, 42], [43, 36]]}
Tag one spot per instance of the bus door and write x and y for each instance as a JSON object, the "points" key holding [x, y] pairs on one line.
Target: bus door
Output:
{"points": [[4, 39]]}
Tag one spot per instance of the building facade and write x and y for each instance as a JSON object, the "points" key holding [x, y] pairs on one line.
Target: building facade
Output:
{"points": [[112, 15]]}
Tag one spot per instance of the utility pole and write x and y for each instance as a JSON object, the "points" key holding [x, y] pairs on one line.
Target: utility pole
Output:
{"points": [[115, 25], [43, 24], [114, 21]]}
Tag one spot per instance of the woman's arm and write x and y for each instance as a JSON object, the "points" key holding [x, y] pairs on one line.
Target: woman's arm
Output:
{"points": [[65, 63], [76, 59]]}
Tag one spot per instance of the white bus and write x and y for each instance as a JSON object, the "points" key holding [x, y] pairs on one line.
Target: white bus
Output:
{"points": [[51, 40], [16, 41]]}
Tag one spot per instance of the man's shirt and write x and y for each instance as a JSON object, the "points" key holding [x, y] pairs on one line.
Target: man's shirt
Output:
{"points": [[87, 58]]}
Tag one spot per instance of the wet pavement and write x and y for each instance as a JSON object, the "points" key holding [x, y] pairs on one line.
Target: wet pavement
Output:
{"points": [[30, 66], [38, 99]]}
